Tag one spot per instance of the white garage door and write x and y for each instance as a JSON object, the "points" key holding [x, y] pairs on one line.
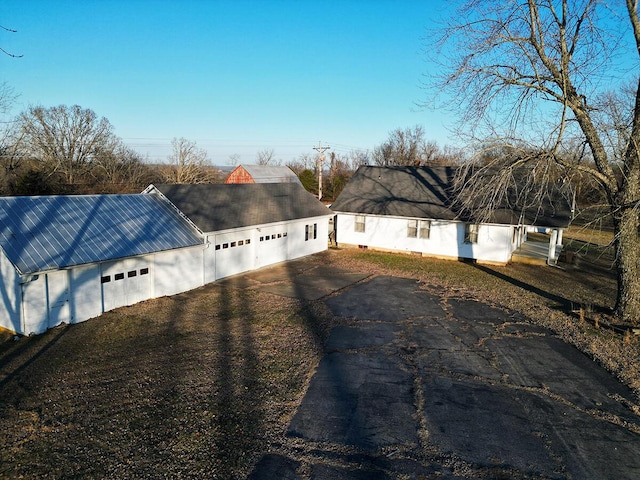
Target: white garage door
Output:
{"points": [[271, 245], [233, 253], [125, 282]]}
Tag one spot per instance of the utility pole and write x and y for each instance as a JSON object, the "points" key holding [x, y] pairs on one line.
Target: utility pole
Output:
{"points": [[320, 149]]}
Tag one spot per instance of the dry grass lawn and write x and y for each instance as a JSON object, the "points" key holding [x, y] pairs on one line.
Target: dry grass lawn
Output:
{"points": [[199, 384]]}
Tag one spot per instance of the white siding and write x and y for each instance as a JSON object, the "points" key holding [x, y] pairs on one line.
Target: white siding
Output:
{"points": [[86, 295], [34, 305], [446, 238], [177, 271], [10, 305], [302, 241], [58, 298]]}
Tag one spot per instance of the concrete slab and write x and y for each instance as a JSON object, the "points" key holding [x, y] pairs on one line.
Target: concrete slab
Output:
{"points": [[549, 363], [364, 335], [458, 362], [484, 424], [386, 299], [309, 284], [360, 400], [591, 448], [473, 311], [410, 391]]}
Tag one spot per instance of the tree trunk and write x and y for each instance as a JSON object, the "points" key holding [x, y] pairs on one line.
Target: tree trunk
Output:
{"points": [[627, 261]]}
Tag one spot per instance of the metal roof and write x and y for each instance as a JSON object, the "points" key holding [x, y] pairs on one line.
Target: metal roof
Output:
{"points": [[51, 232], [217, 207], [425, 192]]}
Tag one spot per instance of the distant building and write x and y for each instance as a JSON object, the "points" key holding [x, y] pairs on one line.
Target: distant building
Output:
{"points": [[262, 174]]}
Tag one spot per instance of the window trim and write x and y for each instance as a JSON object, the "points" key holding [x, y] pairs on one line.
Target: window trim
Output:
{"points": [[412, 228], [471, 231], [424, 226]]}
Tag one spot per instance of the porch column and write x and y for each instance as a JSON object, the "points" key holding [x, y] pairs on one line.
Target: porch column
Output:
{"points": [[551, 258]]}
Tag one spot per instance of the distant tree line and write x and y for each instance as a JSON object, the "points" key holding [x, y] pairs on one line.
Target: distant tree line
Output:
{"points": [[70, 150]]}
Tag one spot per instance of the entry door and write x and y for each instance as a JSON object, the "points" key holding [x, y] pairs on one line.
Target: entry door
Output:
{"points": [[58, 297]]}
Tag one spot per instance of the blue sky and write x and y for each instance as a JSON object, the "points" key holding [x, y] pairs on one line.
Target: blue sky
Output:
{"points": [[237, 76]]}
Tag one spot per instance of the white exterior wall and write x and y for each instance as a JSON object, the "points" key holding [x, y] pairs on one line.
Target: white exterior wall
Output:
{"points": [[446, 239], [263, 245], [10, 306], [78, 294], [303, 242], [177, 271]]}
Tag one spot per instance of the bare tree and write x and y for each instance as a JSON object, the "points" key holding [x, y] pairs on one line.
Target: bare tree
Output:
{"points": [[304, 161], [234, 159], [66, 140], [187, 163], [529, 76], [121, 171], [266, 157], [410, 147]]}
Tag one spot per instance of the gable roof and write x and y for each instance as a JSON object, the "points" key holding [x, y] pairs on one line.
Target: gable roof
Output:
{"points": [[426, 192], [265, 174], [216, 207], [45, 233]]}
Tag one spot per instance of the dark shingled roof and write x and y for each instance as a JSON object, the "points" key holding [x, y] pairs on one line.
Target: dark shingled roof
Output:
{"points": [[216, 207], [425, 192], [45, 233]]}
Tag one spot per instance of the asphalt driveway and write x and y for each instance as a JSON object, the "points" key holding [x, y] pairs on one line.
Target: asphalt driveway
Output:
{"points": [[418, 386]]}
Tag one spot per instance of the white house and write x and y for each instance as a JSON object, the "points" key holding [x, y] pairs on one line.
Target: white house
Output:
{"points": [[249, 226], [410, 209], [65, 259]]}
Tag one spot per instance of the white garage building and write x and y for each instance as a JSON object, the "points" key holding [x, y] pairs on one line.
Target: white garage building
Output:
{"points": [[249, 226], [65, 259]]}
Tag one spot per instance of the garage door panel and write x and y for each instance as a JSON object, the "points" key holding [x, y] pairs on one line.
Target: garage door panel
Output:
{"points": [[233, 253]]}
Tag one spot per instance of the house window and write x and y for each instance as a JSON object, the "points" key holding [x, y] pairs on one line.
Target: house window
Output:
{"points": [[105, 279], [412, 228], [240, 243], [471, 232], [248, 241], [315, 231], [144, 271], [225, 245], [217, 247], [425, 228], [306, 233], [359, 224], [132, 273], [118, 276], [233, 244], [284, 234]]}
